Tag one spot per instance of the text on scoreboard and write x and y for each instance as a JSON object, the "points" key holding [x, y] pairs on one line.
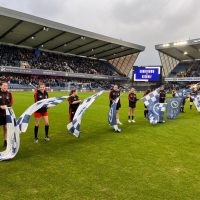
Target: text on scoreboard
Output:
{"points": [[147, 74]]}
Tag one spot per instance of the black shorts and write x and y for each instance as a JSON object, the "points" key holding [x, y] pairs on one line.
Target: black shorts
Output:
{"points": [[72, 112], [2, 120], [118, 106], [162, 101], [132, 105]]}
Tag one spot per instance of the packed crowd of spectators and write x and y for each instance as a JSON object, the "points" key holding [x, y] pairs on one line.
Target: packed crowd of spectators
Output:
{"points": [[192, 70], [171, 86], [33, 81], [38, 59], [25, 80]]}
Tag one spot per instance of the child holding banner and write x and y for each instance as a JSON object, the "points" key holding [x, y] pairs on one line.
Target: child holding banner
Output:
{"points": [[132, 98], [114, 94], [6, 100], [74, 103], [145, 107]]}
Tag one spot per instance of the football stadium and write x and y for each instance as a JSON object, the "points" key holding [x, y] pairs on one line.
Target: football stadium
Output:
{"points": [[110, 128]]}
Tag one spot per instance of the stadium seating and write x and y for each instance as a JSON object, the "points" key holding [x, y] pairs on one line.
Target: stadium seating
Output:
{"points": [[181, 67], [186, 69], [28, 82], [194, 70], [16, 56]]}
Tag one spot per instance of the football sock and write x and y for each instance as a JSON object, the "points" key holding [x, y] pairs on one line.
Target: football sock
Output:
{"points": [[36, 131], [46, 131]]}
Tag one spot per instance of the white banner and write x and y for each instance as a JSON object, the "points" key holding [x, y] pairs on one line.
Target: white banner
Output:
{"points": [[15, 127], [196, 101], [74, 126]]}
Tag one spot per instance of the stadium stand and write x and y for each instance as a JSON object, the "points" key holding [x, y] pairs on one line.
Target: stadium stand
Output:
{"points": [[31, 81], [34, 49], [193, 70], [186, 69], [179, 69], [180, 60], [15, 56]]}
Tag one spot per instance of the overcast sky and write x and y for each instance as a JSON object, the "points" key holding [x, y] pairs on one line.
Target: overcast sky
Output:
{"points": [[144, 22]]}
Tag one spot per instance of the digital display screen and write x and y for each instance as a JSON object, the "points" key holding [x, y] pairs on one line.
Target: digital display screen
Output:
{"points": [[146, 73]]}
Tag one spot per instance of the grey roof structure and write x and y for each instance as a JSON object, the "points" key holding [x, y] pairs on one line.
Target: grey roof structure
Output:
{"points": [[30, 31], [182, 50], [171, 54]]}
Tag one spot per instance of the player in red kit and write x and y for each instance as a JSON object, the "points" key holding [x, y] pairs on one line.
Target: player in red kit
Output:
{"points": [[40, 94], [6, 100], [74, 103], [114, 94], [132, 98]]}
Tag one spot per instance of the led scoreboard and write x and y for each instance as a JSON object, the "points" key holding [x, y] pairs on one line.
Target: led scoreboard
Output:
{"points": [[146, 73]]}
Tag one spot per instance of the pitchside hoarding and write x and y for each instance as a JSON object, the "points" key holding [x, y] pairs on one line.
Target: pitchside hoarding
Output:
{"points": [[17, 70]]}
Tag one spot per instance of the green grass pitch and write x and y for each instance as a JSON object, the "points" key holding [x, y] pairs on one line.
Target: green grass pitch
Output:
{"points": [[144, 162]]}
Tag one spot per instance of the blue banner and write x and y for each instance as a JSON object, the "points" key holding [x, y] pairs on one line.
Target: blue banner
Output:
{"points": [[173, 107], [183, 93], [197, 102], [112, 116], [156, 113], [155, 109]]}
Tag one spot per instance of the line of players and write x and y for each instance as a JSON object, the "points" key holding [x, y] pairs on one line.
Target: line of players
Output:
{"points": [[190, 97], [132, 99], [6, 100]]}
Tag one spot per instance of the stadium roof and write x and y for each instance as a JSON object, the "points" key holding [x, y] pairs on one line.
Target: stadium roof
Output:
{"points": [[171, 54], [26, 30], [188, 50]]}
